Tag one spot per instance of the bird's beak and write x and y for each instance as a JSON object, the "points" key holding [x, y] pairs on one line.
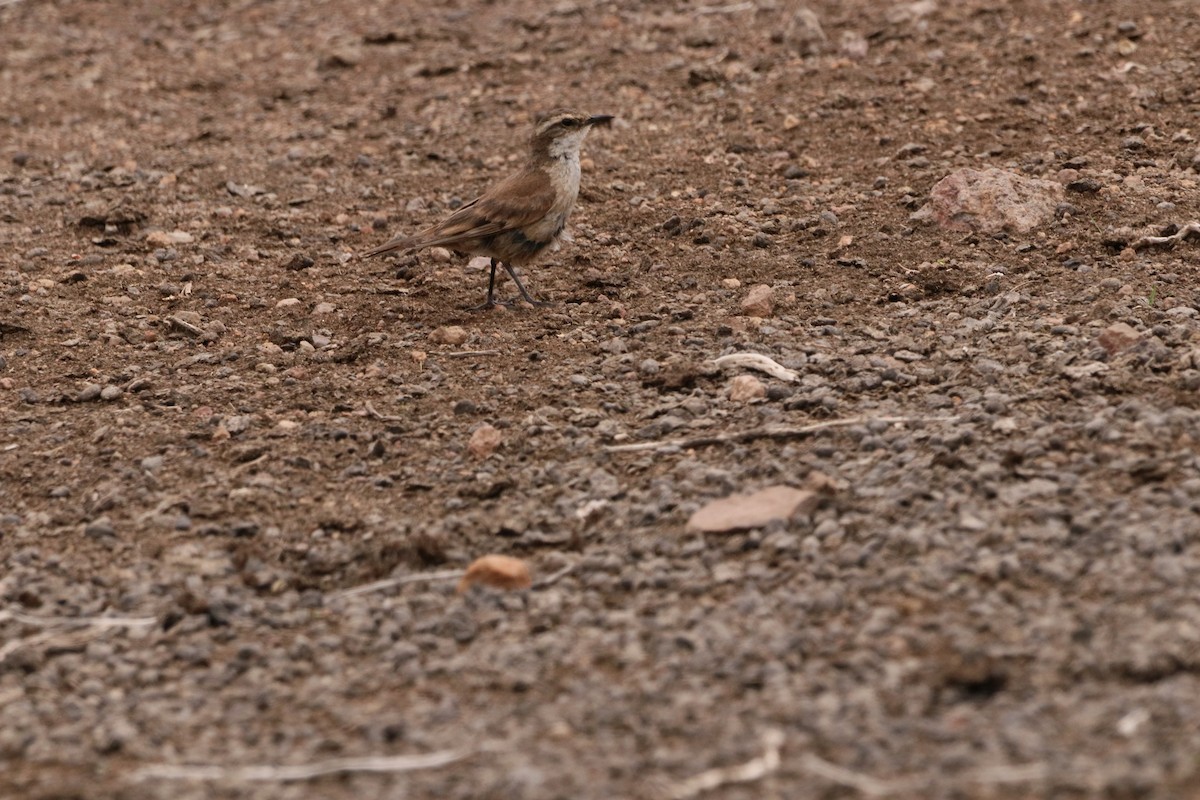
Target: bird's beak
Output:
{"points": [[600, 119]]}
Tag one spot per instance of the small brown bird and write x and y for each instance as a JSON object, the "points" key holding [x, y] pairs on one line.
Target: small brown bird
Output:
{"points": [[518, 218]]}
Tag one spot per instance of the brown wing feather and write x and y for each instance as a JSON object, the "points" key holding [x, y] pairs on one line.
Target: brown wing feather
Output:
{"points": [[517, 201]]}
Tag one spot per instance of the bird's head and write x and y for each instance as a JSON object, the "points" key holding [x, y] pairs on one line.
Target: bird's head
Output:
{"points": [[560, 133]]}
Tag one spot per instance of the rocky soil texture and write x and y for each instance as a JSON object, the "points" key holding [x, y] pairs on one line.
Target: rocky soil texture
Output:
{"points": [[910, 288]]}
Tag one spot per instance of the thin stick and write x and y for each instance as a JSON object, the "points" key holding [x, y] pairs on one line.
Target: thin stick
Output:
{"points": [[55, 635], [90, 622], [185, 327], [1179, 235], [469, 353], [757, 361], [377, 586], [753, 770], [863, 784], [16, 644], [730, 9], [299, 772], [371, 412], [764, 433], [553, 578], [1008, 773], [250, 464]]}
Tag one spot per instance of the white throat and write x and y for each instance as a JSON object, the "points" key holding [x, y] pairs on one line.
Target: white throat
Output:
{"points": [[568, 146]]}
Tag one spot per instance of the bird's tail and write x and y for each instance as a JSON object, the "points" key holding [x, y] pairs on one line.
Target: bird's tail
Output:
{"points": [[400, 243]]}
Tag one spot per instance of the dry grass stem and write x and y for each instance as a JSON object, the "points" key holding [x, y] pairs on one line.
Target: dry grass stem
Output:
{"points": [[1178, 236], [299, 772], [753, 770], [738, 437], [759, 362], [388, 583]]}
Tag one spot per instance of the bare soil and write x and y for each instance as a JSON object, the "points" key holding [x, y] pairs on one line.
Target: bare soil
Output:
{"points": [[214, 418]]}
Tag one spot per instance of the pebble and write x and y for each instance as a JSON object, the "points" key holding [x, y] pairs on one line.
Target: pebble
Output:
{"points": [[759, 301], [168, 238], [1117, 337], [992, 201], [238, 423], [754, 510], [99, 528], [744, 388], [452, 335], [484, 441]]}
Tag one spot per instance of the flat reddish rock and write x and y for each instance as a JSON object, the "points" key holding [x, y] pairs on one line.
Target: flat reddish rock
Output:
{"points": [[742, 511]]}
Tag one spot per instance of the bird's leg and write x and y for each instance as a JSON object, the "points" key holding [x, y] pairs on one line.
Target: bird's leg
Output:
{"points": [[521, 288], [491, 298]]}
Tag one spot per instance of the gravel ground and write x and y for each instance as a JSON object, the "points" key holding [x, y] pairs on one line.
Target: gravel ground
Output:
{"points": [[216, 422]]}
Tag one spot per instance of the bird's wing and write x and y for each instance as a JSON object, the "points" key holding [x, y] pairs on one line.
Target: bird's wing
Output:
{"points": [[514, 203]]}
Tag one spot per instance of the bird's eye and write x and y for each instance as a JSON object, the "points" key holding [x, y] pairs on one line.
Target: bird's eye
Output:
{"points": [[569, 123]]}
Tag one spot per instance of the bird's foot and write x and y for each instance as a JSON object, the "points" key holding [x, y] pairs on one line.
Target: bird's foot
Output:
{"points": [[492, 302]]}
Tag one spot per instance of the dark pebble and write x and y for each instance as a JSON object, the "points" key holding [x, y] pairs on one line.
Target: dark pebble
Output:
{"points": [[299, 262]]}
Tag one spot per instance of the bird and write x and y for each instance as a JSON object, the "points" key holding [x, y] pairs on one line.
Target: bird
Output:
{"points": [[519, 218]]}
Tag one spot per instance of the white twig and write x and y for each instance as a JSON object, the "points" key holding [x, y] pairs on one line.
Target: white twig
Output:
{"points": [[555, 577], [730, 9], [299, 772], [912, 785], [64, 631], [758, 361], [371, 412], [753, 770], [388, 583], [89, 622], [1178, 236], [764, 433], [16, 644], [863, 784], [469, 353]]}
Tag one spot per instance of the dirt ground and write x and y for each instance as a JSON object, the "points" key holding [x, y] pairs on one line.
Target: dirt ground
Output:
{"points": [[215, 419]]}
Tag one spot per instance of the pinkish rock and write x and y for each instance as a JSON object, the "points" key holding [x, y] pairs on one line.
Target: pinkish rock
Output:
{"points": [[1118, 337], [744, 388], [484, 441], [742, 511], [448, 334], [992, 201], [759, 301]]}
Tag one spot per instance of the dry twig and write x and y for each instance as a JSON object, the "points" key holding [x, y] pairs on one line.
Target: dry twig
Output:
{"points": [[371, 412], [468, 353], [729, 9], [753, 770], [759, 362], [378, 586], [64, 632], [738, 437], [1178, 236], [555, 577], [917, 785], [88, 622], [184, 326], [863, 784], [299, 772]]}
